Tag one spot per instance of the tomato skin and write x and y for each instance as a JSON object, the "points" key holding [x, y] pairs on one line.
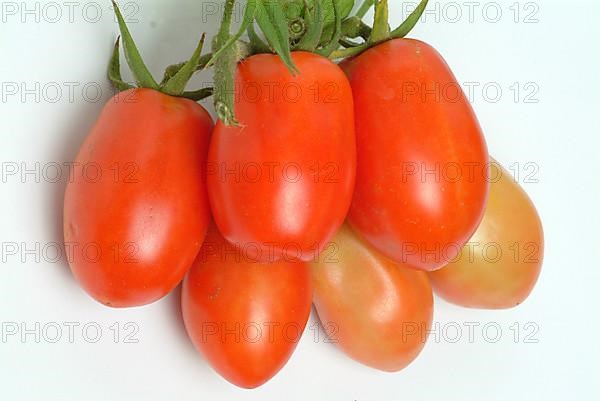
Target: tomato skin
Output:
{"points": [[503, 280], [287, 216], [225, 288], [403, 132], [381, 311], [145, 215]]}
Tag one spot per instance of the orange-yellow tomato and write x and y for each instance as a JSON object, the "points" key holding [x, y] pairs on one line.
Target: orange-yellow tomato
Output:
{"points": [[377, 311], [500, 265]]}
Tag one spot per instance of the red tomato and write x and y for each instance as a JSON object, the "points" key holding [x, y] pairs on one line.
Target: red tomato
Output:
{"points": [[377, 311], [283, 179], [421, 181], [502, 262], [245, 317], [136, 210]]}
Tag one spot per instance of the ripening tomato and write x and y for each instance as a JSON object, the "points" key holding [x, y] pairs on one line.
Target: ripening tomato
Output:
{"points": [[500, 265], [377, 311], [283, 179], [244, 316], [421, 180], [136, 210]]}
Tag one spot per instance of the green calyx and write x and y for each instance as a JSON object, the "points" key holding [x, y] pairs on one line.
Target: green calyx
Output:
{"points": [[279, 27], [380, 32], [176, 77], [285, 26], [315, 24], [334, 42], [290, 25], [324, 21], [320, 26], [228, 49]]}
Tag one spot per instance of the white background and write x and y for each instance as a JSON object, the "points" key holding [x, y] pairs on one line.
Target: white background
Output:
{"points": [[559, 134]]}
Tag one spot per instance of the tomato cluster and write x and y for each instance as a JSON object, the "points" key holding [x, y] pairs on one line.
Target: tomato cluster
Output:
{"points": [[355, 187]]}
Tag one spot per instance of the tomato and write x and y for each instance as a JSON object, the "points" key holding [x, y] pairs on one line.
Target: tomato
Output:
{"points": [[136, 209], [421, 181], [377, 311], [244, 316], [500, 265], [283, 179]]}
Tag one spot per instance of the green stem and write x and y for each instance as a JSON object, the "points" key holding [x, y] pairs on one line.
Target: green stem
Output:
{"points": [[297, 28], [354, 27], [172, 70], [249, 14], [381, 26], [225, 66], [364, 8], [410, 22], [198, 95], [350, 52], [315, 21]]}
